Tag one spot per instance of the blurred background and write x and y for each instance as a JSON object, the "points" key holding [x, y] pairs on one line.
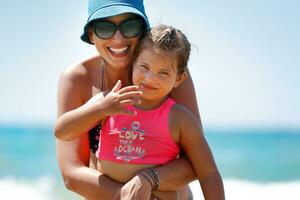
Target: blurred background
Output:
{"points": [[245, 64]]}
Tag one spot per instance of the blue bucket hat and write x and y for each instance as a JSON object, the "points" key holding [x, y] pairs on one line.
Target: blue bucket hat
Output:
{"points": [[107, 8]]}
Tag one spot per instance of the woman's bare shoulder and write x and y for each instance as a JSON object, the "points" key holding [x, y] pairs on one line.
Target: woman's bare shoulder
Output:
{"points": [[81, 70], [79, 79]]}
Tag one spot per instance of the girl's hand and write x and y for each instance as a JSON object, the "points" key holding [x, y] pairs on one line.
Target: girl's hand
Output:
{"points": [[137, 188], [116, 101]]}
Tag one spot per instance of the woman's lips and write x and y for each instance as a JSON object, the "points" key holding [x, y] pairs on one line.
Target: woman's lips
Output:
{"points": [[118, 52]]}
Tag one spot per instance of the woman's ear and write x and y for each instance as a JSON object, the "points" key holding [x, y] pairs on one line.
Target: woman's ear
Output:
{"points": [[90, 32], [180, 78]]}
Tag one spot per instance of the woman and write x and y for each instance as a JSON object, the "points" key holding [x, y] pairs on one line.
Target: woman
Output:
{"points": [[81, 86]]}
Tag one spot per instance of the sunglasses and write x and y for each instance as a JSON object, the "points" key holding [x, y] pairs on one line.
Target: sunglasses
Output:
{"points": [[129, 28]]}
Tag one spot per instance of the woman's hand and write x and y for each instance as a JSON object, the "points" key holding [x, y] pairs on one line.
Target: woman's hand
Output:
{"points": [[137, 188]]}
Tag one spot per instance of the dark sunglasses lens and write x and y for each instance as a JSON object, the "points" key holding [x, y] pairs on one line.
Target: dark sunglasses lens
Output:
{"points": [[104, 29], [132, 28]]}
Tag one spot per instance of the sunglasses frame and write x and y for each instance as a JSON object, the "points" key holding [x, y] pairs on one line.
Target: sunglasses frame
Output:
{"points": [[118, 27]]}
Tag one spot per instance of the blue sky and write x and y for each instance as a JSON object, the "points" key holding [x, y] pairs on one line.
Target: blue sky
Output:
{"points": [[245, 59]]}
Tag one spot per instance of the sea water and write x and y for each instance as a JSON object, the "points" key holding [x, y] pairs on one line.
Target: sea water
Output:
{"points": [[254, 163]]}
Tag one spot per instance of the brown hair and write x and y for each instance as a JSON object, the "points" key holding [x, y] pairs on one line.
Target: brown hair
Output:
{"points": [[170, 40]]}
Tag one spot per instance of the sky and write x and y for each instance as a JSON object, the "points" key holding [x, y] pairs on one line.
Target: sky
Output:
{"points": [[245, 59]]}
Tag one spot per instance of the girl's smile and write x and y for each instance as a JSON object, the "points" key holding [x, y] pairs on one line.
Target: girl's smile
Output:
{"points": [[156, 75]]}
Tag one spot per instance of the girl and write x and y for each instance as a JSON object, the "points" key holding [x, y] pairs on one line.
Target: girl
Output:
{"points": [[152, 136]]}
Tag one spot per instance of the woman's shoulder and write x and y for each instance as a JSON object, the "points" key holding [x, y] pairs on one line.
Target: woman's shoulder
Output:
{"points": [[80, 78], [82, 70]]}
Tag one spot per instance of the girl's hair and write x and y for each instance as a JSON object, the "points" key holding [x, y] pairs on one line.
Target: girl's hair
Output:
{"points": [[170, 40]]}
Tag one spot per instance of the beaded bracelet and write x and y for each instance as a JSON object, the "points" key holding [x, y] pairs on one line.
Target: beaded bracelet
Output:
{"points": [[147, 178], [154, 176]]}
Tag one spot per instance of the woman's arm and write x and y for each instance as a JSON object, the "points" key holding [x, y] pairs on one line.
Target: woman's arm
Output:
{"points": [[73, 156], [186, 89], [196, 148], [85, 181]]}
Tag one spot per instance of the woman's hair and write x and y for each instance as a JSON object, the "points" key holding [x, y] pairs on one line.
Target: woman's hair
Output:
{"points": [[170, 40]]}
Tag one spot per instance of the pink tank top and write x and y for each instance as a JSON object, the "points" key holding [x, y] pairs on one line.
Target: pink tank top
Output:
{"points": [[140, 139]]}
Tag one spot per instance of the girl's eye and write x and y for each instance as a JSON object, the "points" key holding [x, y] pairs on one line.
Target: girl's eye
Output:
{"points": [[144, 66], [164, 73]]}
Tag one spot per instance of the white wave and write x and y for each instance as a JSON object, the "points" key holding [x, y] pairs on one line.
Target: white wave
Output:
{"points": [[14, 189], [246, 190], [43, 188]]}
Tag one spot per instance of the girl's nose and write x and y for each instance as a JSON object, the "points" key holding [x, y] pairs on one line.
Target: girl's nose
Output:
{"points": [[150, 77]]}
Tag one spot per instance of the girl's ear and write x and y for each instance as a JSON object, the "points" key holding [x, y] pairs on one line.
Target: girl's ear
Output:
{"points": [[180, 78]]}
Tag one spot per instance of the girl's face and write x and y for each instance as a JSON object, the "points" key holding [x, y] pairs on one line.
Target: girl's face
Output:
{"points": [[118, 50], [156, 75]]}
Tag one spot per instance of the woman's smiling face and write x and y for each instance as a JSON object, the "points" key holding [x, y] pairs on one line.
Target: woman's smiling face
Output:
{"points": [[118, 50]]}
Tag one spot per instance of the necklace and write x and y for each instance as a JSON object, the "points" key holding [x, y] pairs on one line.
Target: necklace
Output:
{"points": [[107, 82], [102, 75]]}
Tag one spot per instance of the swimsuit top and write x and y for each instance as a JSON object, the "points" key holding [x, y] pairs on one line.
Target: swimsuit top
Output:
{"points": [[94, 133], [143, 138]]}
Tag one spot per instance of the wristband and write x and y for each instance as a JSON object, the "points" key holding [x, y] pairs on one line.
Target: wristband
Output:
{"points": [[147, 178], [154, 176]]}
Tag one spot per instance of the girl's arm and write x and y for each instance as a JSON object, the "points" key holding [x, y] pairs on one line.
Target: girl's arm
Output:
{"points": [[176, 174], [197, 150], [73, 123]]}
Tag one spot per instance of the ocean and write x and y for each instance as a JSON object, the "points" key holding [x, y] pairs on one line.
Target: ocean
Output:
{"points": [[254, 163]]}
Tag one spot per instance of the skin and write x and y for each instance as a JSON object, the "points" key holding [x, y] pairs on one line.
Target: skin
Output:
{"points": [[77, 85]]}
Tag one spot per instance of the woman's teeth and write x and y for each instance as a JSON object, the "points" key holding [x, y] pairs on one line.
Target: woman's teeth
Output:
{"points": [[118, 50]]}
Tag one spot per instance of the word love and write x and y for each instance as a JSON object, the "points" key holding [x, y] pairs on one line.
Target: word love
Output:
{"points": [[131, 135]]}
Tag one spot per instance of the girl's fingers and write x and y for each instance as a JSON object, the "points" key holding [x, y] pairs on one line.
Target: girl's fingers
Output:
{"points": [[127, 102], [129, 89], [130, 95], [117, 86]]}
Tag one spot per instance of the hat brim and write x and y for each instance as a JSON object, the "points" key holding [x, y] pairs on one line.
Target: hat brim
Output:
{"points": [[110, 11]]}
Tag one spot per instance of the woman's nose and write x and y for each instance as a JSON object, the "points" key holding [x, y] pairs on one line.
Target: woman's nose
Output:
{"points": [[118, 37]]}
